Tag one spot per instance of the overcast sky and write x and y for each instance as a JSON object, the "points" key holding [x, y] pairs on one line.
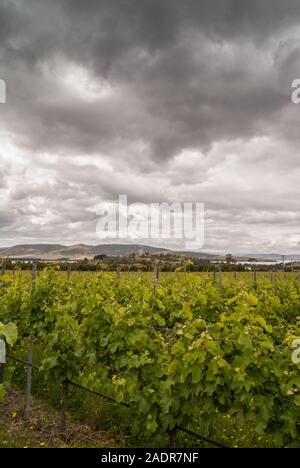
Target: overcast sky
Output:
{"points": [[163, 100]]}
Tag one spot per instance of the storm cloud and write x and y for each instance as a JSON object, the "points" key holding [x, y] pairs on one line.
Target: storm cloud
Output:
{"points": [[163, 100]]}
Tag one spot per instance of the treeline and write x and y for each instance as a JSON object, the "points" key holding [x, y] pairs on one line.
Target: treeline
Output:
{"points": [[132, 264]]}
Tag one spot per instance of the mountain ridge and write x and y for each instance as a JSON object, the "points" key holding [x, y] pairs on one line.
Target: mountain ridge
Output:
{"points": [[77, 251], [80, 251]]}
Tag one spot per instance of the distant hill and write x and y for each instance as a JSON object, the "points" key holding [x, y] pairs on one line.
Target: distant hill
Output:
{"points": [[80, 251]]}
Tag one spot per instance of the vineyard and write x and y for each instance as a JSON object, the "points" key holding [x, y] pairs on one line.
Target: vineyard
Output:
{"points": [[199, 352]]}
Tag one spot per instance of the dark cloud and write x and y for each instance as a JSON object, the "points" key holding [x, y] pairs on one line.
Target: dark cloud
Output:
{"points": [[191, 70], [157, 99]]}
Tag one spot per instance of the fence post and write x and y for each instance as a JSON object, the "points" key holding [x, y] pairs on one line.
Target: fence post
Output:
{"points": [[69, 273], [2, 369], [172, 438], [255, 276], [220, 278], [64, 406], [30, 354], [156, 275], [118, 272]]}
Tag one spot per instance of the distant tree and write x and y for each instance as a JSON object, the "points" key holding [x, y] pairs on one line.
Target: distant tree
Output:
{"points": [[100, 257], [230, 259]]}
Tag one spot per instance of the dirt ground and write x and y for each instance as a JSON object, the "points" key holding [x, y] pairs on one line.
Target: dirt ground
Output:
{"points": [[42, 430]]}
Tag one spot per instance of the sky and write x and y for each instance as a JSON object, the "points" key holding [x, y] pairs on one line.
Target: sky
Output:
{"points": [[161, 100]]}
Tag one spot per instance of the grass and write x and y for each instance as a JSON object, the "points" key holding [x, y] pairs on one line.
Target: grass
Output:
{"points": [[42, 430], [98, 424]]}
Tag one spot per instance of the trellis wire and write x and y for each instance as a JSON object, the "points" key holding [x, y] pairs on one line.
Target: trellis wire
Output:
{"points": [[172, 433]]}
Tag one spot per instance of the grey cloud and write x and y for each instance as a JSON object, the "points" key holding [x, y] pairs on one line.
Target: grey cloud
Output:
{"points": [[183, 90], [211, 77]]}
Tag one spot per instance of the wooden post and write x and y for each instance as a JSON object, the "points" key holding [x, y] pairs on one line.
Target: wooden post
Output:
{"points": [[214, 275], [172, 438], [118, 272], [64, 407], [255, 276], [69, 273], [29, 381], [220, 278], [156, 275], [2, 369], [30, 355]]}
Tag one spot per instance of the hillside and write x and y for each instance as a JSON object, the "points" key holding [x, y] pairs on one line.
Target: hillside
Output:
{"points": [[79, 251]]}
